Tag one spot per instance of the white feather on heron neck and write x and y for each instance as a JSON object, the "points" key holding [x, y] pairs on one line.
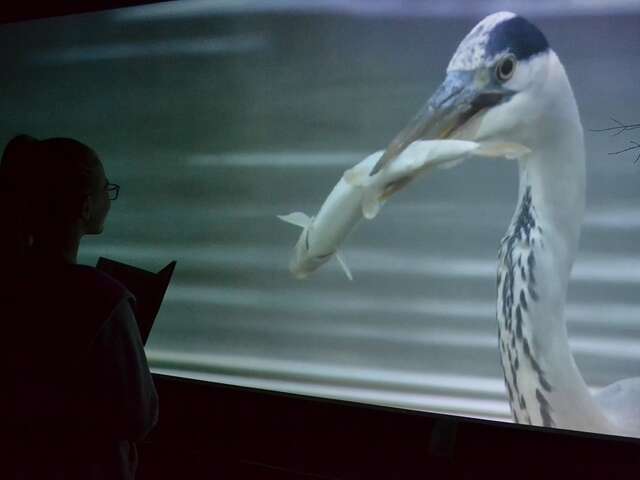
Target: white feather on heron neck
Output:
{"points": [[555, 172], [554, 175]]}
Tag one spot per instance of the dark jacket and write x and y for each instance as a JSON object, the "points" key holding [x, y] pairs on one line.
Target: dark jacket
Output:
{"points": [[82, 391]]}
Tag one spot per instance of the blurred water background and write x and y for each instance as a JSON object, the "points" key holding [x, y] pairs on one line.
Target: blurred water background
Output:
{"points": [[214, 117]]}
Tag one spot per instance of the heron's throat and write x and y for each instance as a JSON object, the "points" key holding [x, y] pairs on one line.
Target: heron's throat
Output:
{"points": [[518, 292], [535, 260]]}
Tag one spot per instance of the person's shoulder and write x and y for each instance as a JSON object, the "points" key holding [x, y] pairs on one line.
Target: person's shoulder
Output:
{"points": [[91, 278]]}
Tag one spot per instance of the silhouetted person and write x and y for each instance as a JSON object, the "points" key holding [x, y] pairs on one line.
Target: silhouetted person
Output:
{"points": [[80, 392]]}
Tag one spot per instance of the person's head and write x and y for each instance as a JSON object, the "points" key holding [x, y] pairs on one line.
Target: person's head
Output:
{"points": [[53, 188]]}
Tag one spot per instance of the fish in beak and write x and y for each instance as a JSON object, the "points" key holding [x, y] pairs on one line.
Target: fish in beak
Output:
{"points": [[358, 195], [453, 112]]}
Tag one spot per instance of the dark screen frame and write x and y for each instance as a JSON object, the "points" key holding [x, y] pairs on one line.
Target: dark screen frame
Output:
{"points": [[31, 10]]}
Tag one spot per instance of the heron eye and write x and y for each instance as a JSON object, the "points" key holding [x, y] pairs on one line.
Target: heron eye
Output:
{"points": [[505, 68]]}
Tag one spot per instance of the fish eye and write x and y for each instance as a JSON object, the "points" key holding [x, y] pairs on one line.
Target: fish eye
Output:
{"points": [[505, 68]]}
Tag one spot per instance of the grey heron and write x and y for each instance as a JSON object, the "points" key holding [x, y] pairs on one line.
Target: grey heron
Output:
{"points": [[505, 84]]}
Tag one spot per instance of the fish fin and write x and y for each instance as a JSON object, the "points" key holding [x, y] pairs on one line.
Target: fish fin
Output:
{"points": [[371, 203], [508, 150], [297, 218], [373, 199], [344, 266]]}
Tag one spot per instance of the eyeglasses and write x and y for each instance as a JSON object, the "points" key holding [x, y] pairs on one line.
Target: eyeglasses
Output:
{"points": [[112, 190]]}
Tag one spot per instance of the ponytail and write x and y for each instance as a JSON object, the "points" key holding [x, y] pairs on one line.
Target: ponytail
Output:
{"points": [[18, 166]]}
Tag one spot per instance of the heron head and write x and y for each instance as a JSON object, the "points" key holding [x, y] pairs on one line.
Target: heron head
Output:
{"points": [[495, 84]]}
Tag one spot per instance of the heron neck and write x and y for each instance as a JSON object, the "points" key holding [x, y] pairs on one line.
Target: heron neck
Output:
{"points": [[552, 192], [553, 176], [536, 256]]}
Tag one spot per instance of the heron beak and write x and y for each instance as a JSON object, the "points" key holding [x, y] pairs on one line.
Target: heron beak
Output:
{"points": [[451, 112]]}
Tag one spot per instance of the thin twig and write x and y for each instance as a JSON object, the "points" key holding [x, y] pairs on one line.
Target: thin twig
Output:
{"points": [[621, 127], [634, 146]]}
